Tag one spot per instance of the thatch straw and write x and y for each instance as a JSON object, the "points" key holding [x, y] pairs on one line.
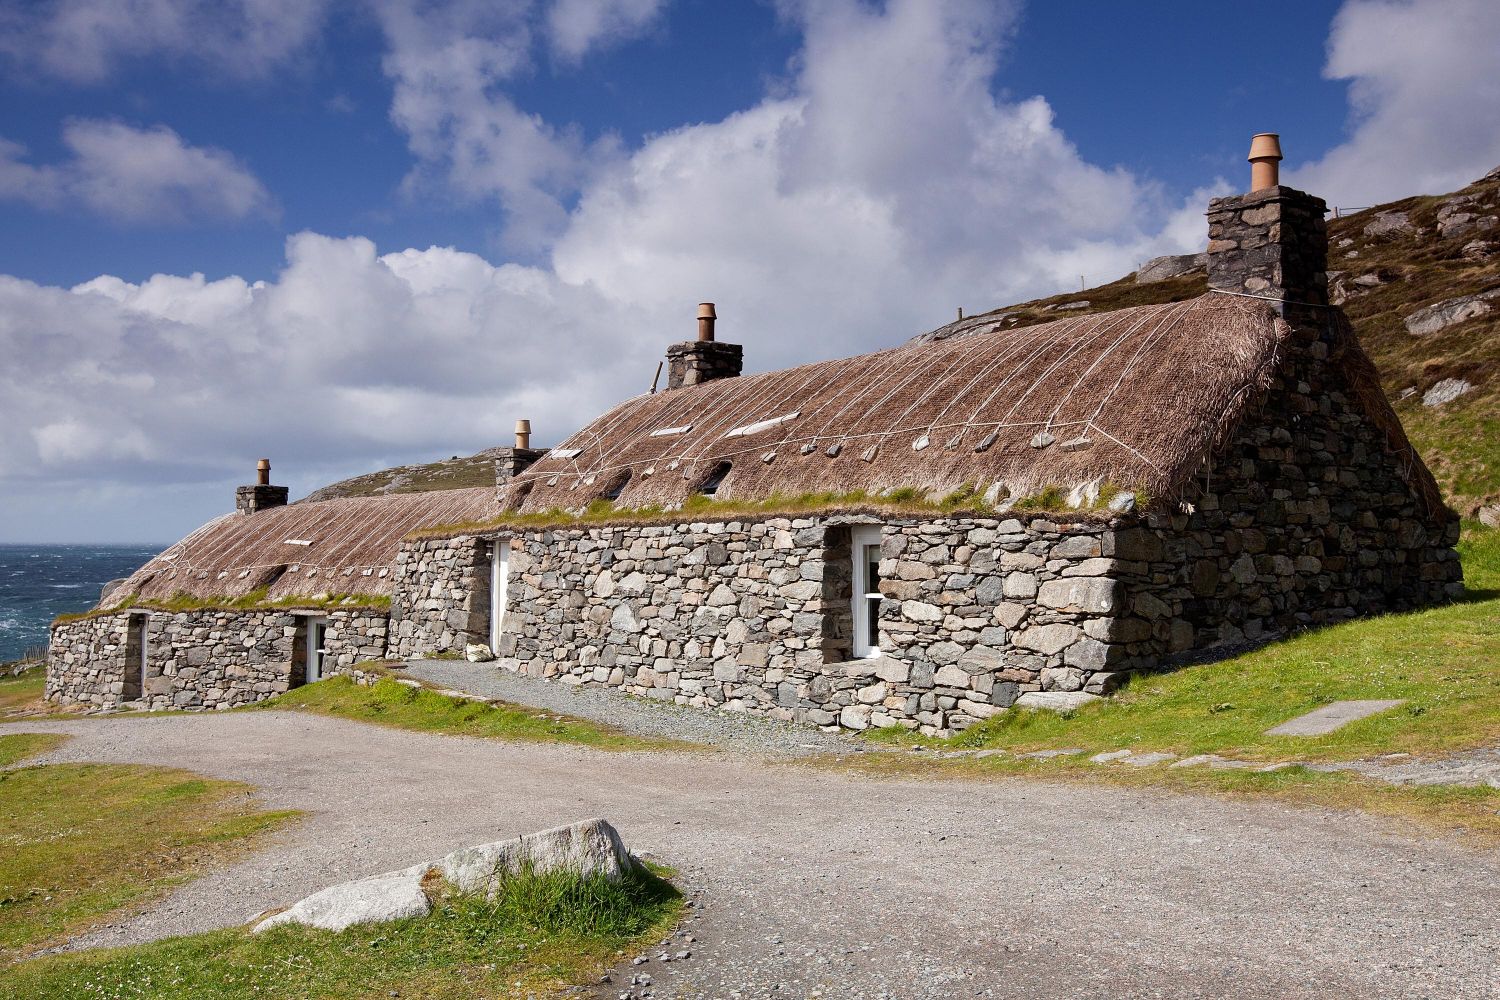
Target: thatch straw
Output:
{"points": [[1136, 397], [354, 543]]}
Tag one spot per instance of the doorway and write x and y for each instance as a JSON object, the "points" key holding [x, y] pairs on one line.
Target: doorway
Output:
{"points": [[499, 582], [137, 657]]}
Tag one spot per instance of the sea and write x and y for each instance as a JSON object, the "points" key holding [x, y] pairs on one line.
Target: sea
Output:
{"points": [[40, 582]]}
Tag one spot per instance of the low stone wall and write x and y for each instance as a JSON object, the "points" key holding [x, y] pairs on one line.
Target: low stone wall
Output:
{"points": [[86, 661], [207, 659], [442, 597]]}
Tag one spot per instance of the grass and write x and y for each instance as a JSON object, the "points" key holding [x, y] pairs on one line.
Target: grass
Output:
{"points": [[255, 600], [17, 747], [388, 703], [539, 936], [910, 501], [23, 690], [79, 842]]}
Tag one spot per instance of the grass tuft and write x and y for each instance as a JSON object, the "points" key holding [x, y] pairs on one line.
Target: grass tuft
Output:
{"points": [[388, 703]]}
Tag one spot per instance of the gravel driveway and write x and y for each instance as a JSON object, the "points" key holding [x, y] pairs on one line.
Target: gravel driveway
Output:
{"points": [[818, 883]]}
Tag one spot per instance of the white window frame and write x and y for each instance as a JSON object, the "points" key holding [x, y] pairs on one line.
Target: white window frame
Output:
{"points": [[862, 599], [316, 653], [499, 591]]}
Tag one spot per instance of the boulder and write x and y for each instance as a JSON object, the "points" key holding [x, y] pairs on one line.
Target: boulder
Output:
{"points": [[589, 847], [1446, 391], [1450, 312], [478, 652], [1162, 268], [1389, 224], [1056, 701], [1490, 516]]}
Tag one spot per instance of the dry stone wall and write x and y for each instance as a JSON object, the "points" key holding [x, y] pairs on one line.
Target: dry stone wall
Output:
{"points": [[200, 659], [442, 597]]}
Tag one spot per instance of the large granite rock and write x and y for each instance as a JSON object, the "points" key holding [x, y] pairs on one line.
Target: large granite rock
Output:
{"points": [[590, 847], [1162, 268], [1450, 312]]}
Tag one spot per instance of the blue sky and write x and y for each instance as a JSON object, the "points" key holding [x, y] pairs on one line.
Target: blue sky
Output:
{"points": [[416, 220]]}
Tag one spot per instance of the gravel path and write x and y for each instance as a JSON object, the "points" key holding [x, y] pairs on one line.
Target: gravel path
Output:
{"points": [[820, 883], [641, 716]]}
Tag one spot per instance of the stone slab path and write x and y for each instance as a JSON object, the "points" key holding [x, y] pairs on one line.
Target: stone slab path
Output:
{"points": [[1337, 715], [811, 882]]}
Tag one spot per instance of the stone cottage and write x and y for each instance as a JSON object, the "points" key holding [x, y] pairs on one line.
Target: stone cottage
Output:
{"points": [[1088, 497]]}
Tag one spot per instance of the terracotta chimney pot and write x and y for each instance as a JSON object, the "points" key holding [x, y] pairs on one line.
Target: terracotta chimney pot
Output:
{"points": [[706, 317], [1265, 158], [523, 434], [263, 472]]}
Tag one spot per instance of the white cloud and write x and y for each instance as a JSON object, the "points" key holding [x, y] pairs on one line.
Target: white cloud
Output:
{"points": [[84, 40], [448, 63], [1425, 96], [137, 175], [579, 26]]}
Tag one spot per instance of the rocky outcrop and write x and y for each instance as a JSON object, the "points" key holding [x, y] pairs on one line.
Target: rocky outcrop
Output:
{"points": [[1172, 266], [587, 848], [1446, 391], [1450, 312], [1390, 224]]}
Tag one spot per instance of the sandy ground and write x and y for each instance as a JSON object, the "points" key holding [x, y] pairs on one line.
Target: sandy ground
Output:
{"points": [[819, 883]]}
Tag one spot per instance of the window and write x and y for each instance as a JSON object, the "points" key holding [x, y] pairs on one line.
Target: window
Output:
{"points": [[865, 550], [711, 483], [499, 583]]}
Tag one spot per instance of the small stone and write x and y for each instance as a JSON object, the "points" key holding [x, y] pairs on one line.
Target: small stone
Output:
{"points": [[1042, 439]]}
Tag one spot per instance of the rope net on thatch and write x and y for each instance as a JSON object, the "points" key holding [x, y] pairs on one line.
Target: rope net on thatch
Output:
{"points": [[1135, 397]]}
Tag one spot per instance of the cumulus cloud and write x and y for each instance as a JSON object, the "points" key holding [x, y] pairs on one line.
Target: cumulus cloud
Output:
{"points": [[134, 175], [1424, 95], [84, 40], [346, 356], [448, 64], [577, 26]]}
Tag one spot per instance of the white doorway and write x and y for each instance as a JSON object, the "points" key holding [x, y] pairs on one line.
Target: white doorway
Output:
{"points": [[499, 585], [865, 592], [317, 649]]}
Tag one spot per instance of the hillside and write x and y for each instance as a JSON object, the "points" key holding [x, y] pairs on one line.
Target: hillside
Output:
{"points": [[1421, 264]]}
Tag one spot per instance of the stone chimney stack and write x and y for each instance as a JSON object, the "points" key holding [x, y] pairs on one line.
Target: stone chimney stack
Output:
{"points": [[261, 496], [1272, 242], [705, 359], [511, 462]]}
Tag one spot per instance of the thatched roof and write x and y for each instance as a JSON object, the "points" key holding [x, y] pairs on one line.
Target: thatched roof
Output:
{"points": [[1133, 397], [1137, 397], [342, 546]]}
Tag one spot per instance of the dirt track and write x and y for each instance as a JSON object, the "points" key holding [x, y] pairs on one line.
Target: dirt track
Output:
{"points": [[818, 881]]}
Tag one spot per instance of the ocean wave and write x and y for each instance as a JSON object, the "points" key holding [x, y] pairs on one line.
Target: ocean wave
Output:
{"points": [[66, 586], [6, 624]]}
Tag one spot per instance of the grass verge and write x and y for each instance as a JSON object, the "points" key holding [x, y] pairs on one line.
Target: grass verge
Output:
{"points": [[388, 703], [79, 842], [1470, 813], [19, 746], [23, 691], [539, 936]]}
